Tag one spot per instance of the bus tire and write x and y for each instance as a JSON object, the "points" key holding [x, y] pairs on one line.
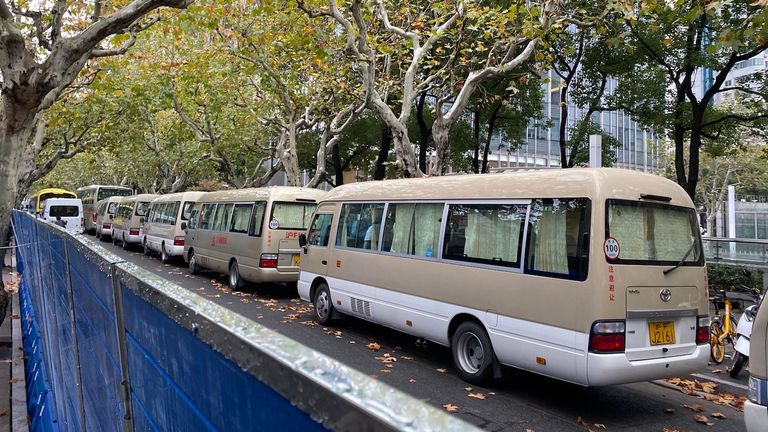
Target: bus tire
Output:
{"points": [[164, 257], [125, 243], [194, 268], [324, 309], [235, 281], [472, 353], [738, 362]]}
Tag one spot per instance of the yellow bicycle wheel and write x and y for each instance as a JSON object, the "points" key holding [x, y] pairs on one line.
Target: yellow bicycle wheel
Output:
{"points": [[716, 345]]}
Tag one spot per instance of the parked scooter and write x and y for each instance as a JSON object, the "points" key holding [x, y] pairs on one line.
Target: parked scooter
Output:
{"points": [[743, 333]]}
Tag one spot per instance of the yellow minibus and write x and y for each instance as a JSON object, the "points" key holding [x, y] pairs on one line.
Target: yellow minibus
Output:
{"points": [[592, 276], [250, 234]]}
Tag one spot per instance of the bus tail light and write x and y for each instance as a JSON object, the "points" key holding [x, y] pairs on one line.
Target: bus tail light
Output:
{"points": [[702, 330], [178, 241], [607, 337], [94, 216], [268, 261], [106, 226], [133, 231]]}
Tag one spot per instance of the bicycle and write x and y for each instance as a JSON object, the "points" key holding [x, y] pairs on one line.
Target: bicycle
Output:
{"points": [[722, 330]]}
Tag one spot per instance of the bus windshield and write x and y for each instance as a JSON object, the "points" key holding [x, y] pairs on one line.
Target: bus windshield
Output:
{"points": [[110, 192], [653, 233], [291, 215]]}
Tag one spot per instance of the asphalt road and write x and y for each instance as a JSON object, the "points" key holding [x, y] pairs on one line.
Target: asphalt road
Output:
{"points": [[521, 401]]}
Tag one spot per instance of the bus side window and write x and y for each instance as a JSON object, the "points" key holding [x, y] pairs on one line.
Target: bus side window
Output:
{"points": [[257, 219], [552, 246], [193, 218], [413, 229], [240, 218]]}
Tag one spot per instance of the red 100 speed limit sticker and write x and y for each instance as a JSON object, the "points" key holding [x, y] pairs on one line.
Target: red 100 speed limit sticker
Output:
{"points": [[611, 248]]}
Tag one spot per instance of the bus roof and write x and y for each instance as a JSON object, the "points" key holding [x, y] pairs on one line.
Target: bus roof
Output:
{"points": [[140, 198], [591, 183], [103, 186], [275, 193], [180, 196]]}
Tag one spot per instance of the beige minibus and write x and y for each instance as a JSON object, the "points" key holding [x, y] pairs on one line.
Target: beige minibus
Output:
{"points": [[127, 222], [592, 276], [165, 224], [93, 194], [105, 213], [250, 234]]}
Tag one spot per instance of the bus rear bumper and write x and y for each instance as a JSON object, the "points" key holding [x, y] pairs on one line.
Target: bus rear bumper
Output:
{"points": [[259, 275], [755, 416], [610, 369]]}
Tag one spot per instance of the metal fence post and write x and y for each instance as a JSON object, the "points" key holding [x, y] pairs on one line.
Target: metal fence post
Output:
{"points": [[125, 382], [76, 347]]}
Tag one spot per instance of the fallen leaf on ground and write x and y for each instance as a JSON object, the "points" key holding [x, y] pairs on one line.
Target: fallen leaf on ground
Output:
{"points": [[599, 425], [451, 408], [718, 415], [441, 370], [373, 346], [581, 421], [717, 371], [694, 408], [468, 388], [411, 380], [700, 418], [477, 396]]}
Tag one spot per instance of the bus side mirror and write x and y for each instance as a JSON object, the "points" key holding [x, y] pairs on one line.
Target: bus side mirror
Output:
{"points": [[183, 226], [302, 240]]}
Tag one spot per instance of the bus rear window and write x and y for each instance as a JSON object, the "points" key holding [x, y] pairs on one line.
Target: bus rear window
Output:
{"points": [[653, 233], [64, 211], [291, 216]]}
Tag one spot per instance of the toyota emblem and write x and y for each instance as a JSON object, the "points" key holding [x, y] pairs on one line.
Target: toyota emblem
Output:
{"points": [[666, 295]]}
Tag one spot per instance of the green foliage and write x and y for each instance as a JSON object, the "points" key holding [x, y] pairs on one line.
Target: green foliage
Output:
{"points": [[733, 278]]}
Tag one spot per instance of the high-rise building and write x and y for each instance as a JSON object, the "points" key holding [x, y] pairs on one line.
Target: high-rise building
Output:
{"points": [[638, 149]]}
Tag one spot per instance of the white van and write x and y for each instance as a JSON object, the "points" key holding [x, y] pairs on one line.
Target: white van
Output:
{"points": [[65, 212]]}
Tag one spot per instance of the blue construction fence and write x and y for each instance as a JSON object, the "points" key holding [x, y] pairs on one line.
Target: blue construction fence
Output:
{"points": [[110, 346]]}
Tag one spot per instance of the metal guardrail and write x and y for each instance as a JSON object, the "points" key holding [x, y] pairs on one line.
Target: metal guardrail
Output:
{"points": [[740, 252], [127, 350]]}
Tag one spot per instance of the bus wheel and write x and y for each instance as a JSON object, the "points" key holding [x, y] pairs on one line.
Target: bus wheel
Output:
{"points": [[193, 267], [164, 257], [114, 239], [125, 243], [235, 281], [323, 305], [472, 353]]}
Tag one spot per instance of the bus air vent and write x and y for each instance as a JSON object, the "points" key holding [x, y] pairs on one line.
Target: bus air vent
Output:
{"points": [[361, 307]]}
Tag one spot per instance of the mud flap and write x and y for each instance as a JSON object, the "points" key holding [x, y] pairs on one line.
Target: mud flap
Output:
{"points": [[497, 373]]}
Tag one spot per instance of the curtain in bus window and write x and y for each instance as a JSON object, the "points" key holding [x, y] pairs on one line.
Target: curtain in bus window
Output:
{"points": [[257, 221], [223, 212], [206, 216], [292, 215], [672, 242], [173, 212], [630, 230], [550, 241], [371, 217], [241, 217], [415, 230], [494, 233]]}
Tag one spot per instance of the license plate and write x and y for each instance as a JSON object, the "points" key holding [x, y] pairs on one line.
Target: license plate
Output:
{"points": [[661, 333], [296, 260]]}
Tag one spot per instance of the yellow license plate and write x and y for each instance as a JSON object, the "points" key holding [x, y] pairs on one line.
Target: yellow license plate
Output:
{"points": [[296, 260], [661, 333]]}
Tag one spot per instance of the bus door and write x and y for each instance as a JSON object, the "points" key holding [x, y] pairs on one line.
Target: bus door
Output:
{"points": [[314, 258]]}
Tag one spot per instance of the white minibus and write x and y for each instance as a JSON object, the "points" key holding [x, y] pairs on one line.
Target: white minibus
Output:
{"points": [[105, 213], [165, 224], [127, 222], [65, 212], [250, 234], [593, 276], [93, 194]]}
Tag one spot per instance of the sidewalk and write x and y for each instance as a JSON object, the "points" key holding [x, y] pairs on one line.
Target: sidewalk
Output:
{"points": [[13, 397]]}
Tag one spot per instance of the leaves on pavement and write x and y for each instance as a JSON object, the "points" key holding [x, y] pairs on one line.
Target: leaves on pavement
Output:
{"points": [[373, 346], [700, 418], [451, 408], [694, 408], [477, 396], [708, 391], [718, 415]]}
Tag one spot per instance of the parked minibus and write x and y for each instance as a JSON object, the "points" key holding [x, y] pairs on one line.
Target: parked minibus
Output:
{"points": [[163, 230], [592, 276], [65, 212], [127, 222], [756, 406], [250, 234], [93, 194], [105, 213], [37, 200]]}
